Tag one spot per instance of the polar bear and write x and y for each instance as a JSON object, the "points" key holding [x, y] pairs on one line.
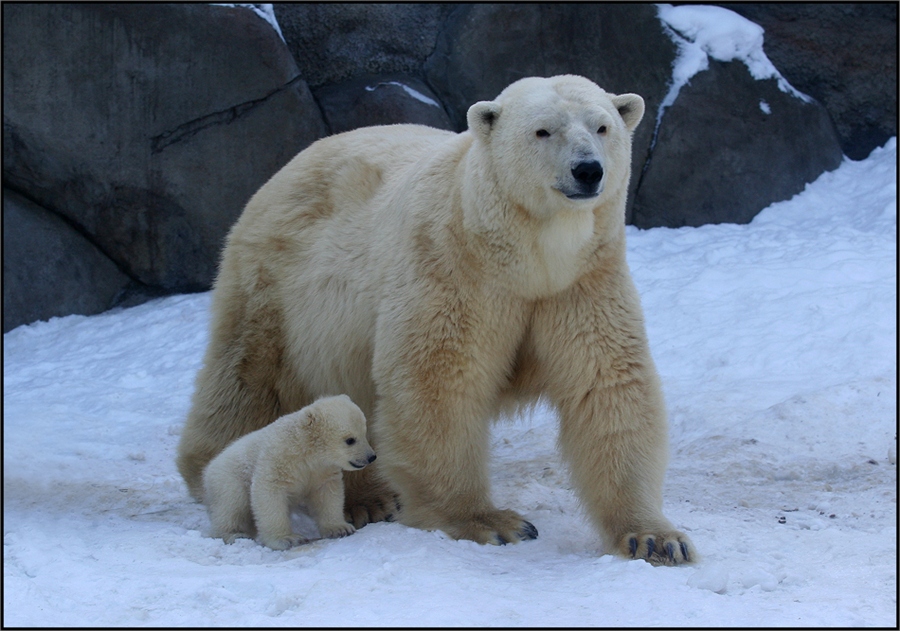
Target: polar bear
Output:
{"points": [[442, 280], [252, 485]]}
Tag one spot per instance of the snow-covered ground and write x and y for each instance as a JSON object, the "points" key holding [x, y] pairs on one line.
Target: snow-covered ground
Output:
{"points": [[776, 342]]}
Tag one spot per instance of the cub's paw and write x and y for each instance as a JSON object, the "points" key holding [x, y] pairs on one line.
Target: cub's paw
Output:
{"points": [[497, 528], [665, 548], [231, 537], [283, 543], [335, 531]]}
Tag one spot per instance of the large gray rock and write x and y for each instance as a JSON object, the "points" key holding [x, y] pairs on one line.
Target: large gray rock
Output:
{"points": [[721, 157], [621, 47], [149, 126], [49, 269], [333, 42], [380, 100], [844, 55]]}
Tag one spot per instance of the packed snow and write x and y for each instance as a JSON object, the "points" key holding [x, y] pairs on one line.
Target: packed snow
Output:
{"points": [[776, 344]]}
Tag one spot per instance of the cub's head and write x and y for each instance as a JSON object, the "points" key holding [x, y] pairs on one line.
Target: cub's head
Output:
{"points": [[345, 437], [556, 144]]}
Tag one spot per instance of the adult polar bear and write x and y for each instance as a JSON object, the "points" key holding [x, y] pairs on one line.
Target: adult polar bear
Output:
{"points": [[437, 279]]}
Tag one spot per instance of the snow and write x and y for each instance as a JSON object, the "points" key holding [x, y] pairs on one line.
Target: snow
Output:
{"points": [[776, 344]]}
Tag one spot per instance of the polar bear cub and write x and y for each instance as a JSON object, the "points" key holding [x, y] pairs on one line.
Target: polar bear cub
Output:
{"points": [[252, 485]]}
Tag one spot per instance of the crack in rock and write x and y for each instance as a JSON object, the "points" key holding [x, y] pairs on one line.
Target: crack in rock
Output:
{"points": [[222, 117]]}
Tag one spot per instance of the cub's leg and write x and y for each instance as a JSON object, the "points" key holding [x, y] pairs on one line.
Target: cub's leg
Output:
{"points": [[272, 513], [228, 505], [596, 362], [326, 506]]}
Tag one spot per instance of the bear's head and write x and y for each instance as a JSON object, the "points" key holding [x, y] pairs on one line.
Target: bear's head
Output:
{"points": [[342, 432], [559, 143]]}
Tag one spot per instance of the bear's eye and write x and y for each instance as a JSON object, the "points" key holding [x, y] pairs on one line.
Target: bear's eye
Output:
{"points": [[542, 133], [602, 130], [350, 441]]}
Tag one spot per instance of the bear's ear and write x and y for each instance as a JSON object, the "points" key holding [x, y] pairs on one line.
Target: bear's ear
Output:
{"points": [[482, 116], [631, 109]]}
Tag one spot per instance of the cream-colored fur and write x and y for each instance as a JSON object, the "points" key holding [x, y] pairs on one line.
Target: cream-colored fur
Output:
{"points": [[437, 278], [250, 488]]}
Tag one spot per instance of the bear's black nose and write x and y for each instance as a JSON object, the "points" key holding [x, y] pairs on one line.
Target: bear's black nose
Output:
{"points": [[372, 458], [588, 173]]}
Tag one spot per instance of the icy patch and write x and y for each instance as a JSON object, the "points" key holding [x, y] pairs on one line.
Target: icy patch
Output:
{"points": [[265, 11], [413, 93], [766, 109]]}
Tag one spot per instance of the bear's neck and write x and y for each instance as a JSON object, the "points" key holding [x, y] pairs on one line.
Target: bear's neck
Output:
{"points": [[533, 257]]}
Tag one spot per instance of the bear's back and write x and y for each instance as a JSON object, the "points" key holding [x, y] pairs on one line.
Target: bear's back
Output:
{"points": [[342, 172]]}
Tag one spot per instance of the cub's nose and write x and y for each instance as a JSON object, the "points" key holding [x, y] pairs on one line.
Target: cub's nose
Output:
{"points": [[372, 458], [588, 173]]}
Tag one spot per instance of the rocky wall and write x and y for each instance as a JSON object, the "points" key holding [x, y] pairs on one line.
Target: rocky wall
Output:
{"points": [[134, 134]]}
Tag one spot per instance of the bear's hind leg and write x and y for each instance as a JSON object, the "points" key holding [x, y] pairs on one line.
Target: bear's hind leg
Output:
{"points": [[238, 389]]}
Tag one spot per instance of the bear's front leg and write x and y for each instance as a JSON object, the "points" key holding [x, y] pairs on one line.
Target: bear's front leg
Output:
{"points": [[596, 365], [326, 507], [438, 374], [436, 456]]}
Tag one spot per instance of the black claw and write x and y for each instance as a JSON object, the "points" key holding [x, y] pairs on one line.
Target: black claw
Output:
{"points": [[684, 551], [501, 540], [651, 547], [528, 531], [632, 545], [670, 550]]}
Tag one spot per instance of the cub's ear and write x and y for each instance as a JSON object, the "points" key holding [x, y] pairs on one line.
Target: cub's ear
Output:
{"points": [[313, 417], [482, 116], [631, 109]]}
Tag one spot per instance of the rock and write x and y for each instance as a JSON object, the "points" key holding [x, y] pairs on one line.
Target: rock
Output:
{"points": [[843, 55], [49, 269], [333, 42], [621, 47], [728, 147], [381, 100], [149, 126]]}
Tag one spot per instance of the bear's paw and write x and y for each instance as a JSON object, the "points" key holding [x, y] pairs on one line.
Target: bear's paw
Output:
{"points": [[371, 504], [665, 548], [497, 528]]}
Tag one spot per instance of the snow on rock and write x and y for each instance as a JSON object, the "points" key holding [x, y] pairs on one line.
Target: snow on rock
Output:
{"points": [[410, 91], [702, 32], [776, 344], [264, 10]]}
